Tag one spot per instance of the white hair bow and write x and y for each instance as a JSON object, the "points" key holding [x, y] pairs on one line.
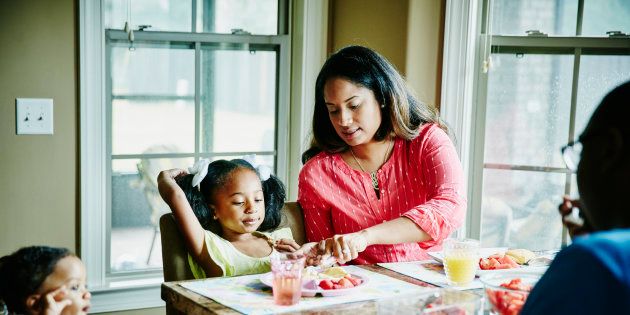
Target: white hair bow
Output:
{"points": [[200, 170], [263, 170]]}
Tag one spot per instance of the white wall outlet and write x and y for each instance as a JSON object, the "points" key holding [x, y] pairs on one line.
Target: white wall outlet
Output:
{"points": [[34, 116]]}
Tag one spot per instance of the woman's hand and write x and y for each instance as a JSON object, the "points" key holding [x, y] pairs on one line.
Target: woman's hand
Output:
{"points": [[53, 302], [344, 247], [575, 229], [286, 245]]}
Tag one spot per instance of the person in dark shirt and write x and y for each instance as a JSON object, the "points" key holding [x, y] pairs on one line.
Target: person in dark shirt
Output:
{"points": [[592, 275]]}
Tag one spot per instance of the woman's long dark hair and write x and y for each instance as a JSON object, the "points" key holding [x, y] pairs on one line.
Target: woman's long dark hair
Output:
{"points": [[24, 271], [402, 112], [219, 172]]}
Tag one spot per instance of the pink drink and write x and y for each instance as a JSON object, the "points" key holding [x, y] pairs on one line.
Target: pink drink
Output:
{"points": [[287, 278], [286, 290]]}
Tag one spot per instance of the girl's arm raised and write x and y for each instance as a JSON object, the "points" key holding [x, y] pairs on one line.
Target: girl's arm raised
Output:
{"points": [[189, 226]]}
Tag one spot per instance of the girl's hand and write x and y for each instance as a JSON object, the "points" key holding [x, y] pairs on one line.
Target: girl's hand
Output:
{"points": [[565, 208], [286, 245], [344, 247], [172, 173], [167, 186], [55, 301]]}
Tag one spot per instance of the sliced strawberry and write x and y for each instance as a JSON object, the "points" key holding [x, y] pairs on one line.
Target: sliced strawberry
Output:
{"points": [[326, 284]]}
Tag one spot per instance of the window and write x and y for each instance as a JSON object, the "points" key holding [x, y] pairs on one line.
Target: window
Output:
{"points": [[200, 79], [173, 99], [549, 63]]}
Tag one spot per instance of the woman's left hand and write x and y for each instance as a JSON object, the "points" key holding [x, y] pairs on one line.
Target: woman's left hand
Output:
{"points": [[345, 247], [286, 245]]}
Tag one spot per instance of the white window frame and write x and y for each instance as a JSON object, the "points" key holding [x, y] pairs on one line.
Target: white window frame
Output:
{"points": [[142, 290], [464, 87]]}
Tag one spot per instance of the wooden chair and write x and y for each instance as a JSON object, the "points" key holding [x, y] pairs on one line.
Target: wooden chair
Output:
{"points": [[174, 254]]}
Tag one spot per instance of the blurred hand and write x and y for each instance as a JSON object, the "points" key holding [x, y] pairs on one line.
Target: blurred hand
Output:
{"points": [[53, 303], [173, 173], [344, 247], [311, 252], [286, 245], [565, 209]]}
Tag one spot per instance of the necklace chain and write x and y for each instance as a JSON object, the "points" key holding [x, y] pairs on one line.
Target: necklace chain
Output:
{"points": [[373, 174]]}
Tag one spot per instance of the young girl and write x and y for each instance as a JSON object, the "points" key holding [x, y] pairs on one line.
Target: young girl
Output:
{"points": [[43, 280], [223, 209]]}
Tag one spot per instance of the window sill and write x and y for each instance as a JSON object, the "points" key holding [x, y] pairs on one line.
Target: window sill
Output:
{"points": [[127, 295]]}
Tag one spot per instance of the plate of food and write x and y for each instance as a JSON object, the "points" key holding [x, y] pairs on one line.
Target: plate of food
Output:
{"points": [[502, 259], [333, 281]]}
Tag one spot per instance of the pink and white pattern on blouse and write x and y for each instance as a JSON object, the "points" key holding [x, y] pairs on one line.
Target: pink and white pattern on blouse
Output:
{"points": [[422, 181]]}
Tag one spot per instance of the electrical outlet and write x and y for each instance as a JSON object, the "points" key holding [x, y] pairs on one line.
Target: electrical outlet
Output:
{"points": [[34, 116]]}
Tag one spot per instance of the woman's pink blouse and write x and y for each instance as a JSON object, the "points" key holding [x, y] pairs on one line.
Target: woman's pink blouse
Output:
{"points": [[422, 181]]}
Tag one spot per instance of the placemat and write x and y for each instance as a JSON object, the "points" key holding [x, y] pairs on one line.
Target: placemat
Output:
{"points": [[248, 295], [428, 271]]}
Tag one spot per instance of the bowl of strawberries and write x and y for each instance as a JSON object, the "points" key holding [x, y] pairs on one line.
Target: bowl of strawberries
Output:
{"points": [[507, 292]]}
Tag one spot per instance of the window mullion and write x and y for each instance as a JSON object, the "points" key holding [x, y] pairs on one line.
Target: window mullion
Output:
{"points": [[197, 99], [580, 18], [109, 98]]}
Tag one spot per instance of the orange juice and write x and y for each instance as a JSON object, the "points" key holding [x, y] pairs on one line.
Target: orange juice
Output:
{"points": [[286, 290], [460, 269]]}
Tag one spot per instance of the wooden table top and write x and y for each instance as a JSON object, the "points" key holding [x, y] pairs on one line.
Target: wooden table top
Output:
{"points": [[180, 300]]}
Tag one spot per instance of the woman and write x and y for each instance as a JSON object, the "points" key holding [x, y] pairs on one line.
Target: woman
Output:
{"points": [[382, 181]]}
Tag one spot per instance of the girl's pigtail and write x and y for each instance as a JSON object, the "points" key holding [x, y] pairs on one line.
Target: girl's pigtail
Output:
{"points": [[275, 195], [197, 202]]}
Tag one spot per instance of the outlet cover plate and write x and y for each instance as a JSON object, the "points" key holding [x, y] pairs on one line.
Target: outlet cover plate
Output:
{"points": [[34, 116]]}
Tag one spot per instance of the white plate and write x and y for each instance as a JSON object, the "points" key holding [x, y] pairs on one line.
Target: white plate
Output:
{"points": [[311, 287], [483, 253]]}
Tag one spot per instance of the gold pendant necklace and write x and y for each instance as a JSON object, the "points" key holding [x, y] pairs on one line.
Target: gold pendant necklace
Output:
{"points": [[373, 174]]}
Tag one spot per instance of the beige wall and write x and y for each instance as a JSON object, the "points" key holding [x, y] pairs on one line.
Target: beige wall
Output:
{"points": [[380, 25], [38, 185], [424, 48], [407, 32]]}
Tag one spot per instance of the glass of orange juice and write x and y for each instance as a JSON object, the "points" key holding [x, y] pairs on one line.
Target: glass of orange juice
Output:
{"points": [[287, 278], [461, 258]]}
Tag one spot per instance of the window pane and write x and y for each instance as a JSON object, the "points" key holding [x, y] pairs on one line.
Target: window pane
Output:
{"points": [[528, 105], [165, 71], [223, 16], [519, 209], [515, 17], [601, 17], [162, 15], [238, 99], [598, 76], [136, 208], [140, 127], [153, 100]]}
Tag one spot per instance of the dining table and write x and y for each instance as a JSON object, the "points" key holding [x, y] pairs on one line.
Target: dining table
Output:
{"points": [[180, 300]]}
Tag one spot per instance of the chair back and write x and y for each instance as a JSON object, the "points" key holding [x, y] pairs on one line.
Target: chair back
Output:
{"points": [[175, 255], [293, 218]]}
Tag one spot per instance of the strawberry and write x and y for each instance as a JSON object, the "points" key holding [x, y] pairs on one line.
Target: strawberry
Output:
{"points": [[344, 282], [326, 284]]}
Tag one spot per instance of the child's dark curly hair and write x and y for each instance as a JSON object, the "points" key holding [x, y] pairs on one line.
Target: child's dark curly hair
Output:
{"points": [[219, 172], [24, 271]]}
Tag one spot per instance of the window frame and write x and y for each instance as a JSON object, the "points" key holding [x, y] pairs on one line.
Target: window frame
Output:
{"points": [[299, 59], [465, 86]]}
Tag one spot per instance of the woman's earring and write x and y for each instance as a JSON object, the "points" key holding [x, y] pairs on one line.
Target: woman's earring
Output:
{"points": [[382, 105]]}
